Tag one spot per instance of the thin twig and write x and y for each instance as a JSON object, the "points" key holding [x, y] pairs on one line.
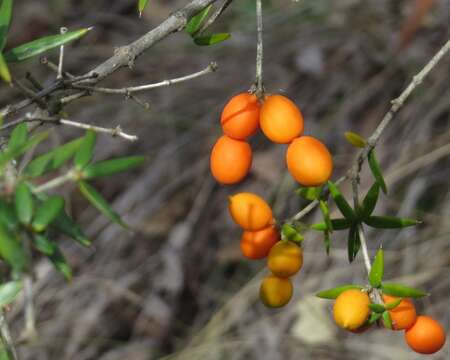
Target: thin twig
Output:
{"points": [[117, 131], [55, 182], [63, 30], [6, 336], [30, 333], [128, 90], [259, 50]]}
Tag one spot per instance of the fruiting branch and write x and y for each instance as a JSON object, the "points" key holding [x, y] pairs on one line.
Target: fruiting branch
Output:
{"points": [[259, 50]]}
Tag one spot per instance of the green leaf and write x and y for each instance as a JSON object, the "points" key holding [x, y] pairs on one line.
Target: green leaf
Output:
{"points": [[86, 150], [5, 21], [24, 203], [353, 243], [370, 201], [377, 308], [18, 136], [100, 203], [327, 241], [355, 139], [9, 292], [376, 170], [374, 317], [289, 232], [212, 39], [402, 291], [4, 70], [8, 216], [390, 222], [336, 291], [67, 226], [53, 159], [36, 47], [54, 254], [110, 167], [11, 154], [47, 212], [341, 203], [309, 193], [11, 250], [326, 215], [377, 271], [392, 305], [194, 24], [338, 224], [387, 321], [141, 6]]}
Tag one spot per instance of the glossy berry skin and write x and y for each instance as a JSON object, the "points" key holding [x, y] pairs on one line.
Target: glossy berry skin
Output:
{"points": [[230, 160], [250, 211], [404, 315], [240, 116], [351, 309], [426, 336], [285, 259], [275, 291], [257, 244]]}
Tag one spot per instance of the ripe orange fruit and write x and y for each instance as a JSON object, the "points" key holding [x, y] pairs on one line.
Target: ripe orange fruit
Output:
{"points": [[280, 120], [257, 244], [426, 336], [240, 116], [309, 161], [250, 211], [403, 315], [275, 291], [230, 160], [351, 309], [285, 259]]}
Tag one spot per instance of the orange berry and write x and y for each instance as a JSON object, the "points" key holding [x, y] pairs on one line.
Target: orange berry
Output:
{"points": [[285, 259], [280, 120], [240, 116], [351, 309], [250, 211], [257, 244], [275, 292], [426, 336], [404, 315], [309, 161], [230, 160]]}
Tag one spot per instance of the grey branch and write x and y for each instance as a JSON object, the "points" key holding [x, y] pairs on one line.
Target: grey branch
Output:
{"points": [[259, 49]]}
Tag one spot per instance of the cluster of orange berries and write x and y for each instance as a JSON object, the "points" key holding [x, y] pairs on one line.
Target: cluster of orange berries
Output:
{"points": [[422, 333], [261, 239], [307, 159]]}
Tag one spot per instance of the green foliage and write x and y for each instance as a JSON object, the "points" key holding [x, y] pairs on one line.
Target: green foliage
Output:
{"points": [[24, 203], [66, 225], [374, 317], [353, 242], [11, 250], [389, 222], [309, 193], [402, 291], [18, 136], [85, 152], [141, 5], [36, 47], [336, 291], [377, 271], [4, 71], [47, 212], [376, 170], [9, 292], [376, 308], [110, 167], [212, 39], [196, 22], [289, 232], [370, 201], [337, 224], [341, 203], [6, 8], [392, 305], [387, 321], [355, 139], [53, 253]]}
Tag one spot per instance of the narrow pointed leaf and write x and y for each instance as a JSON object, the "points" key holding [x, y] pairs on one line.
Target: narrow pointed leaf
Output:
{"points": [[377, 308], [370, 201], [376, 170], [18, 136], [212, 39], [11, 250], [355, 139], [390, 222], [9, 292], [53, 253], [47, 212], [69, 227], [4, 70], [338, 224], [8, 216], [24, 203], [353, 243], [309, 193], [5, 20], [291, 233], [196, 22], [335, 292], [86, 150], [387, 321], [341, 203], [110, 167], [11, 154], [141, 5], [402, 291], [327, 241], [100, 203], [326, 215], [392, 305], [373, 318], [53, 159], [41, 45], [377, 271]]}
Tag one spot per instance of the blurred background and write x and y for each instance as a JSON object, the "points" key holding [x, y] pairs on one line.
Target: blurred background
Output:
{"points": [[177, 287]]}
